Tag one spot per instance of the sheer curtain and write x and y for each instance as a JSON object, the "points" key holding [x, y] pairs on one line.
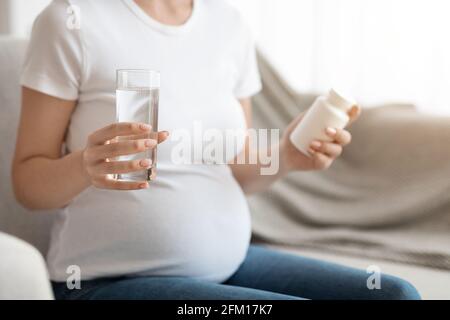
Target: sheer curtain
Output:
{"points": [[378, 50]]}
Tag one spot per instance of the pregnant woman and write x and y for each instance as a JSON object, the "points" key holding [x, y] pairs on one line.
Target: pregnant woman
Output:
{"points": [[186, 234]]}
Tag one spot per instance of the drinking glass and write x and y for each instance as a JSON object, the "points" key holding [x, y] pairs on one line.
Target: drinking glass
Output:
{"points": [[137, 100]]}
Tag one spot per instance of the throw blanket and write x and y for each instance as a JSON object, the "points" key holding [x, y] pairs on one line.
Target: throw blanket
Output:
{"points": [[387, 197]]}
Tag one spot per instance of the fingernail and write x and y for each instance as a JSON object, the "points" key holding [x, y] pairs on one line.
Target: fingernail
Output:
{"points": [[167, 132], [145, 163], [143, 185], [316, 144], [311, 151], [331, 131], [148, 143], [145, 127]]}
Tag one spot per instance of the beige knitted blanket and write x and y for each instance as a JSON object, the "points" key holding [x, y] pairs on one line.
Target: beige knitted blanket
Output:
{"points": [[387, 197]]}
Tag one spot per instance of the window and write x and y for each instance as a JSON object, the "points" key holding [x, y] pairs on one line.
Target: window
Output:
{"points": [[381, 51]]}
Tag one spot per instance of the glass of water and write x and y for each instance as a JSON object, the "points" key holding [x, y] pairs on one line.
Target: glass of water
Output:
{"points": [[137, 100]]}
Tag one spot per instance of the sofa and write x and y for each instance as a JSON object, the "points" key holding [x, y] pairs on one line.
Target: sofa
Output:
{"points": [[24, 235]]}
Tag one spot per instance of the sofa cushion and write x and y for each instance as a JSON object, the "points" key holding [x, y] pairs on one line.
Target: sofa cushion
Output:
{"points": [[14, 219]]}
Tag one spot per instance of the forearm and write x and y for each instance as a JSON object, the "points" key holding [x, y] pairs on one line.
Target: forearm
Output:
{"points": [[43, 183], [258, 175]]}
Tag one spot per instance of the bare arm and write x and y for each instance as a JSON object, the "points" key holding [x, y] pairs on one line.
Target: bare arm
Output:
{"points": [[44, 178], [249, 175], [289, 158]]}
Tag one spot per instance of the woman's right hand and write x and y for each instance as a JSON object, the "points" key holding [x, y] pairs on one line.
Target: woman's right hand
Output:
{"points": [[102, 146]]}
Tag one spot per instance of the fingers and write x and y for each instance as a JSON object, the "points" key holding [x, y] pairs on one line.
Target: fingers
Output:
{"points": [[354, 113], [159, 136], [121, 167], [321, 161], [162, 136], [329, 149], [99, 137], [340, 136], [105, 144], [103, 182], [120, 148], [324, 153]]}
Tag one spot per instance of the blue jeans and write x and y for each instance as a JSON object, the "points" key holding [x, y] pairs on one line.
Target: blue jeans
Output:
{"points": [[264, 275]]}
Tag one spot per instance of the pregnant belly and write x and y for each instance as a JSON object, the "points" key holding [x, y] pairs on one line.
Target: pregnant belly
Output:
{"points": [[198, 226]]}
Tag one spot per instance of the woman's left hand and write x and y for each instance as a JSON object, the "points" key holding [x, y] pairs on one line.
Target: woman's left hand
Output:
{"points": [[322, 153]]}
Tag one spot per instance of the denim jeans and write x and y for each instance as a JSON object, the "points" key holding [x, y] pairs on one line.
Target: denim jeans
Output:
{"points": [[265, 274]]}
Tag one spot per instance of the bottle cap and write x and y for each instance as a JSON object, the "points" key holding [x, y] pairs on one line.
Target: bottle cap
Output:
{"points": [[340, 101]]}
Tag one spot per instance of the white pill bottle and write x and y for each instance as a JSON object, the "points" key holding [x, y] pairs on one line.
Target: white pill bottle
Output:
{"points": [[327, 111]]}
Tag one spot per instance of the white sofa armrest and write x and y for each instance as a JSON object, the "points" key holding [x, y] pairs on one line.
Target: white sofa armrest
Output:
{"points": [[23, 274]]}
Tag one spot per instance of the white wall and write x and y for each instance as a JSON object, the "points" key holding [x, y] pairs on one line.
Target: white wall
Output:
{"points": [[4, 16], [17, 16]]}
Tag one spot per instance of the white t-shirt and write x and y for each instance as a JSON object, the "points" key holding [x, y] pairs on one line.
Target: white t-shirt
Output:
{"points": [[193, 220]]}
